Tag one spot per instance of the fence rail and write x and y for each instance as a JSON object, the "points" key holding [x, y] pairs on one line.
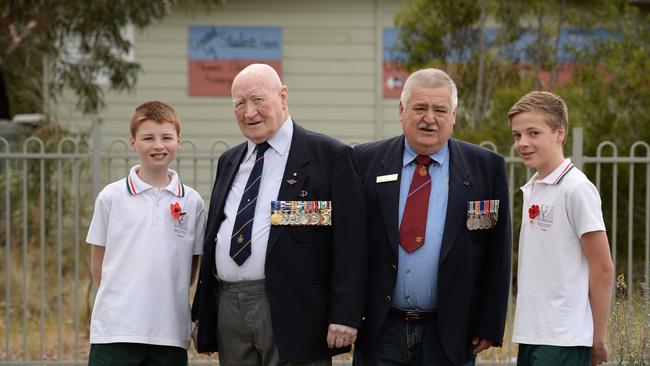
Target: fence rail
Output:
{"points": [[47, 201]]}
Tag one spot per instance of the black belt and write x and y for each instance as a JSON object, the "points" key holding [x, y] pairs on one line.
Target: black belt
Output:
{"points": [[414, 316]]}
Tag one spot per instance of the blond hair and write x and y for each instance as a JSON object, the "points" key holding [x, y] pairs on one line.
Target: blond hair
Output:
{"points": [[551, 105]]}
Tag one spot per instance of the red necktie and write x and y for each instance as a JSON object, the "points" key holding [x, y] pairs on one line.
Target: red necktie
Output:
{"points": [[414, 220]]}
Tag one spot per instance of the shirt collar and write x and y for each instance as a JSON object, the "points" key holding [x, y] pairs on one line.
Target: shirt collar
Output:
{"points": [[280, 142], [556, 176], [439, 157], [135, 185]]}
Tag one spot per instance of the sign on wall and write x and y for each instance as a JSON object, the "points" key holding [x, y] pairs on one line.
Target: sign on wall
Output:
{"points": [[217, 54], [393, 75]]}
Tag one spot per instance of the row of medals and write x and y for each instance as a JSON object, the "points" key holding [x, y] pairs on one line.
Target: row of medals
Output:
{"points": [[481, 221], [321, 217]]}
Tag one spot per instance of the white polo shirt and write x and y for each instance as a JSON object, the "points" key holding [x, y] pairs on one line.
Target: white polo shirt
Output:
{"points": [[553, 275], [144, 295]]}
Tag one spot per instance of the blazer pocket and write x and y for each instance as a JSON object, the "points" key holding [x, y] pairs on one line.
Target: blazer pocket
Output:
{"points": [[480, 236], [303, 234]]}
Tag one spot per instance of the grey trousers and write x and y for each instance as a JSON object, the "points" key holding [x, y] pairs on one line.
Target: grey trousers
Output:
{"points": [[245, 333]]}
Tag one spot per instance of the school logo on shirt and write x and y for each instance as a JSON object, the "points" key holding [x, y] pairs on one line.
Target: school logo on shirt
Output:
{"points": [[545, 218], [546, 214], [180, 226]]}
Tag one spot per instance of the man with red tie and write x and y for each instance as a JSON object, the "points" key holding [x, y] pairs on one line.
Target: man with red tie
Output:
{"points": [[439, 235]]}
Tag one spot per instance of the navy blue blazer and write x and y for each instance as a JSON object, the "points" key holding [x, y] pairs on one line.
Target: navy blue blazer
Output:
{"points": [[474, 265], [315, 275]]}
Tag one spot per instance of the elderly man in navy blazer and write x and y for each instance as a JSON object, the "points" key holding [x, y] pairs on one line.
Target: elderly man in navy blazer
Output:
{"points": [[439, 236], [284, 268]]}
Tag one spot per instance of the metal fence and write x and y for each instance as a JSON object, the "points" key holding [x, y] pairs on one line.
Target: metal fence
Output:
{"points": [[47, 195]]}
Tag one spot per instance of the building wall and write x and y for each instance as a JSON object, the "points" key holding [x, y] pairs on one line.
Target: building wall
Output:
{"points": [[332, 64]]}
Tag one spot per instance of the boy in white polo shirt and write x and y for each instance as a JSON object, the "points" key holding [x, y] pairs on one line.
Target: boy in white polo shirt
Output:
{"points": [[565, 273], [146, 235]]}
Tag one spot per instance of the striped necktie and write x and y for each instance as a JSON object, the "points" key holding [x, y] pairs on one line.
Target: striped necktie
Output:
{"points": [[240, 241]]}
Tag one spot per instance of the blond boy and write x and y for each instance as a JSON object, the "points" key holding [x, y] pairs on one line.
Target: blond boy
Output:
{"points": [[565, 269], [146, 234]]}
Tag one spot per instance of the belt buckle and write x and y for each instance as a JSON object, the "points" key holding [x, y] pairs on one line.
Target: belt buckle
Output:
{"points": [[413, 317]]}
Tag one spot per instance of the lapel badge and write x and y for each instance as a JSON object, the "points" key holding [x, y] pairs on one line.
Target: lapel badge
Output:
{"points": [[303, 193], [292, 181]]}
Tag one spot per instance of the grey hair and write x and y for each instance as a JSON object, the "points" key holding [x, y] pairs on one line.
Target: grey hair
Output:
{"points": [[430, 78]]}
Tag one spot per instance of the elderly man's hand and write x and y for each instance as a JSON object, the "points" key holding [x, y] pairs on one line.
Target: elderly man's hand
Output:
{"points": [[481, 344], [340, 335]]}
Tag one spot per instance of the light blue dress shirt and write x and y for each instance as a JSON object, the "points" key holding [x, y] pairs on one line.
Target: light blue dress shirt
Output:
{"points": [[417, 276]]}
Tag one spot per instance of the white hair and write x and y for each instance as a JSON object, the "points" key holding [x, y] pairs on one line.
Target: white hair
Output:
{"points": [[430, 78]]}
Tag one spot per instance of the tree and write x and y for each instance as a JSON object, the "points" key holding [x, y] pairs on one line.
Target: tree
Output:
{"points": [[607, 93], [50, 46], [515, 51]]}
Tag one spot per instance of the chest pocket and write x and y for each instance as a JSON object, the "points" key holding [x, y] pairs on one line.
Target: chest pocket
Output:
{"points": [[303, 234]]}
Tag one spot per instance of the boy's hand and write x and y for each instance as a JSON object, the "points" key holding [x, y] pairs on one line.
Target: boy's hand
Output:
{"points": [[599, 353], [195, 332]]}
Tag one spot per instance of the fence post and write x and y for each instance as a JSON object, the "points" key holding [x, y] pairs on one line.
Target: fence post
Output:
{"points": [[96, 158], [578, 157]]}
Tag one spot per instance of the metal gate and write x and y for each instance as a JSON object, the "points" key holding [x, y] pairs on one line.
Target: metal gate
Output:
{"points": [[47, 192]]}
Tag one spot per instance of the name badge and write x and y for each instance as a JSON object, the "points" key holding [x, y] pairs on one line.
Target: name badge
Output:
{"points": [[386, 178]]}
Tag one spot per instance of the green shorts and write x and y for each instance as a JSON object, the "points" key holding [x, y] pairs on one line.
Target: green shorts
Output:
{"points": [[136, 354], [543, 355]]}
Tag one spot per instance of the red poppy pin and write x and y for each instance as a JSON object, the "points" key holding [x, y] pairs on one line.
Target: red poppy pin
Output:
{"points": [[533, 212], [176, 210]]}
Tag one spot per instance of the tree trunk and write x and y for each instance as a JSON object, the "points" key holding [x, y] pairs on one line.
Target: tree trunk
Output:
{"points": [[4, 99], [539, 52], [478, 115], [556, 61]]}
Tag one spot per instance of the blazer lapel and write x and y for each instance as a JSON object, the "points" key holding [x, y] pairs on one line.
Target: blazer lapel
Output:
{"points": [[389, 192], [225, 179], [293, 179], [460, 185]]}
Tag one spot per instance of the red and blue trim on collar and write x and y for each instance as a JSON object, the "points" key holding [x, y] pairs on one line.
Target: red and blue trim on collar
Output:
{"points": [[564, 172], [130, 187]]}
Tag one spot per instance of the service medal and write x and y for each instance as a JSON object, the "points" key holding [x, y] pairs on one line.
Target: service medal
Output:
{"points": [[484, 221], [473, 223], [303, 219], [327, 216], [276, 218], [314, 218], [493, 219], [291, 218]]}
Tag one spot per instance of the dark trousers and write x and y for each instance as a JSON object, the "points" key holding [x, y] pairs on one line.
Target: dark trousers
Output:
{"points": [[402, 344], [136, 354], [543, 355]]}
